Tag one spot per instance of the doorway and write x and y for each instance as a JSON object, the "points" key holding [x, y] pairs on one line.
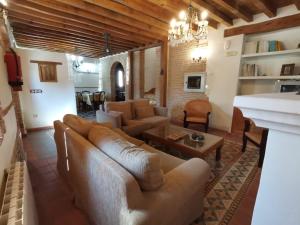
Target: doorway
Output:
{"points": [[117, 82]]}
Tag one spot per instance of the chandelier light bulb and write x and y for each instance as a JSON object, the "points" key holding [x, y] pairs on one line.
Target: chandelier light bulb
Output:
{"points": [[182, 15], [3, 2], [173, 23], [204, 15]]}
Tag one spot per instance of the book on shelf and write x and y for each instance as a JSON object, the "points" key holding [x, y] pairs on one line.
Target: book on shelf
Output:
{"points": [[252, 47], [249, 70]]}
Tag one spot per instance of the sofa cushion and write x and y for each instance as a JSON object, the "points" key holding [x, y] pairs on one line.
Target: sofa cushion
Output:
{"points": [[128, 138], [137, 103], [144, 112], [155, 120], [143, 165], [136, 127], [167, 162], [124, 107], [80, 125]]}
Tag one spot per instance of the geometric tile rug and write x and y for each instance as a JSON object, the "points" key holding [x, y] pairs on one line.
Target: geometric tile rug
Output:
{"points": [[229, 181]]}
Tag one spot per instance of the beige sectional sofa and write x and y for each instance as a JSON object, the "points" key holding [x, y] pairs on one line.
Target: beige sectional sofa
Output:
{"points": [[133, 116], [119, 180]]}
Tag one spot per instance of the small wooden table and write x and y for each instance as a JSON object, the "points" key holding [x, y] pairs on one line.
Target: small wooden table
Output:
{"points": [[185, 144]]}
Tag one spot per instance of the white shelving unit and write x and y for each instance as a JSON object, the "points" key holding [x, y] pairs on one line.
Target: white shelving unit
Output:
{"points": [[292, 77], [270, 63], [264, 54]]}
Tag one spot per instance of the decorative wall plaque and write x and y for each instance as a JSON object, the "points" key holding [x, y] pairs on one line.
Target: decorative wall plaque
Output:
{"points": [[47, 70]]}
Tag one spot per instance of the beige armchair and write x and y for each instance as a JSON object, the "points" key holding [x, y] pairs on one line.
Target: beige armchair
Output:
{"points": [[197, 111]]}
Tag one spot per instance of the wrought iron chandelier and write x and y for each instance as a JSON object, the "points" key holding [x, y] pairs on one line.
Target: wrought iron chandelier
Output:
{"points": [[191, 26]]}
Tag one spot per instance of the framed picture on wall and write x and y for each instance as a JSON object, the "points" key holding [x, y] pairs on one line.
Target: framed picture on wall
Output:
{"points": [[287, 69], [47, 70]]}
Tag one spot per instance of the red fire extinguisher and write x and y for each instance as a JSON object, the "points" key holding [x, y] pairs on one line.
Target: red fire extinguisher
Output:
{"points": [[14, 72]]}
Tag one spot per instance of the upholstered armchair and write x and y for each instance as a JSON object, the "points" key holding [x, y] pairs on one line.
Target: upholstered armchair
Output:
{"points": [[258, 136], [197, 111]]}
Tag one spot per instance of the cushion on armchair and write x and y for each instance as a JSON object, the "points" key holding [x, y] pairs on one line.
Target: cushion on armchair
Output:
{"points": [[143, 165], [124, 107], [144, 112]]}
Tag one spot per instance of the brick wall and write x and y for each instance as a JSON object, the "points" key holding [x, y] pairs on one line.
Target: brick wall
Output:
{"points": [[180, 62]]}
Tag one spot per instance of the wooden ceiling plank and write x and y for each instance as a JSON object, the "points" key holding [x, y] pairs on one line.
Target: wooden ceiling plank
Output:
{"points": [[266, 6], [233, 7], [145, 7], [63, 37], [73, 18], [92, 18], [176, 6], [29, 24], [35, 18], [124, 10], [267, 26]]}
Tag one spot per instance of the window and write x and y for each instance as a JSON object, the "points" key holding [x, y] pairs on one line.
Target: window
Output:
{"points": [[120, 79]]}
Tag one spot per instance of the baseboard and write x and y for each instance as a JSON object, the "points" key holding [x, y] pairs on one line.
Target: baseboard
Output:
{"points": [[39, 128]]}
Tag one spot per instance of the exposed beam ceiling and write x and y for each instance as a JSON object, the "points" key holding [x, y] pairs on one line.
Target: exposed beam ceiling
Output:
{"points": [[78, 26]]}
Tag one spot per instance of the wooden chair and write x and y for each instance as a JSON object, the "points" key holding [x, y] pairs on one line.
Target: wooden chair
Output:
{"points": [[258, 136], [102, 99], [79, 101], [96, 100], [197, 111]]}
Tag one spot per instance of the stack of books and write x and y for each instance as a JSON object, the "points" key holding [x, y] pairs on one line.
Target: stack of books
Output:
{"points": [[249, 70], [262, 46]]}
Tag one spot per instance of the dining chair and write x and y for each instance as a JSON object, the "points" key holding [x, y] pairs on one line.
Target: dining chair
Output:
{"points": [[256, 135], [96, 100]]}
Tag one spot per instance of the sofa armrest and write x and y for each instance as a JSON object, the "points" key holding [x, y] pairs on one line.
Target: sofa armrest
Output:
{"points": [[192, 174], [161, 111], [112, 117]]}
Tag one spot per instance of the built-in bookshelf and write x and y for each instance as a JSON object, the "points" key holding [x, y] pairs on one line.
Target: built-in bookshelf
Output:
{"points": [[261, 64]]}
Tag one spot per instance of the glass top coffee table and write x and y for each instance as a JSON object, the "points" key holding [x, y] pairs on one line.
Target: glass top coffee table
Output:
{"points": [[167, 136]]}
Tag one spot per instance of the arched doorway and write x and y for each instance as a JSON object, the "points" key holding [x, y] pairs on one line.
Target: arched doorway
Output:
{"points": [[117, 76]]}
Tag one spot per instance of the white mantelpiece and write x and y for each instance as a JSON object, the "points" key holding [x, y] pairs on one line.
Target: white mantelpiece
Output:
{"points": [[278, 198]]}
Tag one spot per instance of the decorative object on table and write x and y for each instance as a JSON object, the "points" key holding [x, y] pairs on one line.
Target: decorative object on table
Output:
{"points": [[197, 111], [287, 69], [176, 136], [47, 70], [191, 26], [197, 137]]}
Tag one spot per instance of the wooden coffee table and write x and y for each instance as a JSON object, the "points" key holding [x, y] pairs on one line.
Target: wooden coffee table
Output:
{"points": [[185, 144]]}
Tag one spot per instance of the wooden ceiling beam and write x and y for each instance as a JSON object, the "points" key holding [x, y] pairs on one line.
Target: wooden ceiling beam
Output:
{"points": [[124, 10], [297, 3], [233, 7], [176, 6], [266, 6], [73, 18], [145, 7], [267, 26], [212, 11], [149, 9]]}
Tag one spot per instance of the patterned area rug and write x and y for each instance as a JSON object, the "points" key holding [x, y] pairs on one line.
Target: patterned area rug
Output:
{"points": [[90, 115], [229, 181]]}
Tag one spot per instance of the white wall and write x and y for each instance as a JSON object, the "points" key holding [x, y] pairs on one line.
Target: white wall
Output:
{"points": [[7, 147], [57, 99]]}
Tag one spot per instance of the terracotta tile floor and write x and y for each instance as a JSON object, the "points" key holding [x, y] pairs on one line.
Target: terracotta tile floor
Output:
{"points": [[53, 200]]}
